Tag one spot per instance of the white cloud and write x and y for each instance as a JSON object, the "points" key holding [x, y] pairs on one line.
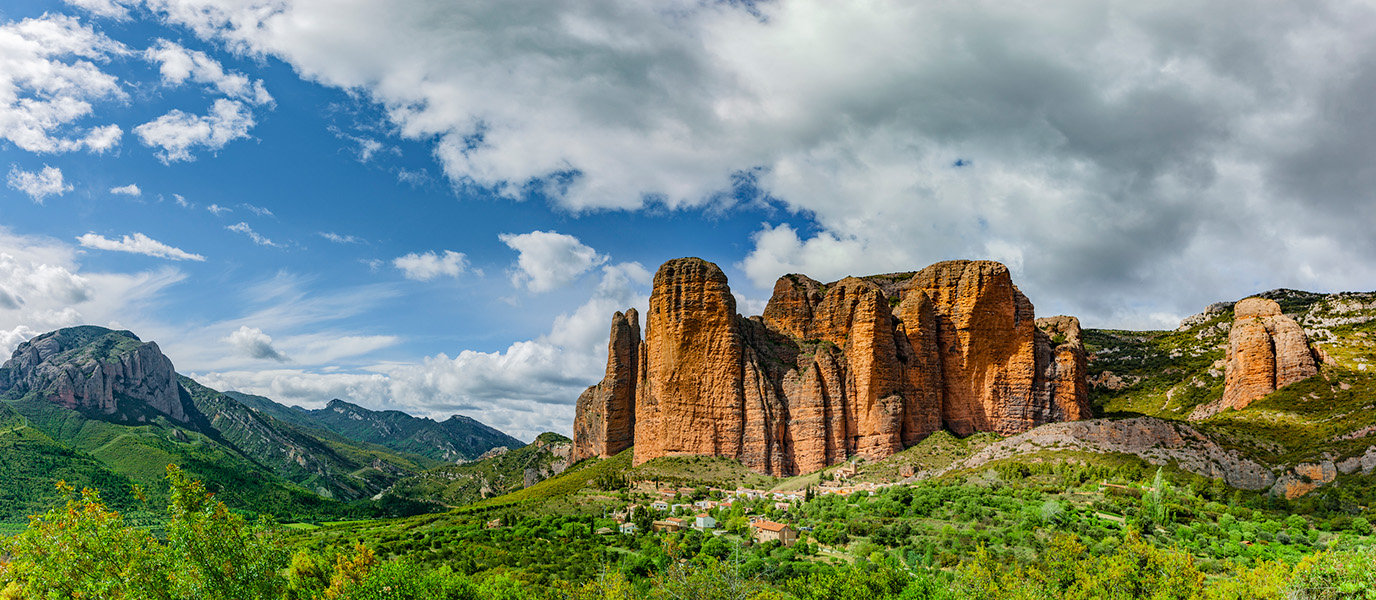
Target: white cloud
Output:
{"points": [[38, 185], [127, 190], [252, 342], [427, 266], [216, 209], [549, 260], [45, 288], [114, 9], [779, 251], [137, 244], [181, 201], [48, 81], [1119, 149], [10, 339], [257, 210], [177, 133], [339, 239], [177, 64], [365, 147], [528, 388], [257, 238]]}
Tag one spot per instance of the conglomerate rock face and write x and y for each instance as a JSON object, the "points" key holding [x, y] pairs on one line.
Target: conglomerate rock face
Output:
{"points": [[862, 366], [1266, 351], [605, 422]]}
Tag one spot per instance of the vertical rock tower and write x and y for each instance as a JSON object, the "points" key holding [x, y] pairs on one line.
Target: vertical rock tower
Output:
{"points": [[1266, 351], [862, 366]]}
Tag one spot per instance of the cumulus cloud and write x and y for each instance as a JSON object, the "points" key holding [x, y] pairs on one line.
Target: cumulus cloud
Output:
{"points": [[258, 238], [176, 134], [549, 260], [1119, 149], [252, 342], [138, 244], [181, 201], [177, 64], [528, 388], [49, 79], [127, 190], [427, 266], [215, 209], [11, 338], [43, 287], [38, 184]]}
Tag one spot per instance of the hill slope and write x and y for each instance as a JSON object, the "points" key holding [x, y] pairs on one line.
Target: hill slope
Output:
{"points": [[502, 473], [88, 404]]}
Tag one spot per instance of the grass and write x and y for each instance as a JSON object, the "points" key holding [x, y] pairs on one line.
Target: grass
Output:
{"points": [[569, 482]]}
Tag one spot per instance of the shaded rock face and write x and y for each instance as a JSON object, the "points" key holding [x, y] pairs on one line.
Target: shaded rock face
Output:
{"points": [[605, 422], [112, 375], [862, 366], [1266, 351]]}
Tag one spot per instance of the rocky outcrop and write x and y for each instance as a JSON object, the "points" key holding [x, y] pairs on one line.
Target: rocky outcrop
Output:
{"points": [[862, 366], [96, 370], [1156, 441], [1304, 478], [1266, 351], [605, 422]]}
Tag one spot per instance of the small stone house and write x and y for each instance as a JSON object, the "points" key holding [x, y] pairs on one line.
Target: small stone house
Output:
{"points": [[667, 525], [705, 521], [768, 531]]}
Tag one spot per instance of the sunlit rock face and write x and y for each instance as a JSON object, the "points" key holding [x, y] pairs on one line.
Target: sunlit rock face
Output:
{"points": [[1266, 351], [862, 366]]}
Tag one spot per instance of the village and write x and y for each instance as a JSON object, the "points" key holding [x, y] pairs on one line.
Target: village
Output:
{"points": [[762, 515]]}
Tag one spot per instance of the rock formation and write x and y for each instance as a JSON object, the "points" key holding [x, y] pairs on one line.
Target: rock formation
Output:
{"points": [[95, 369], [605, 421], [1266, 351], [862, 366]]}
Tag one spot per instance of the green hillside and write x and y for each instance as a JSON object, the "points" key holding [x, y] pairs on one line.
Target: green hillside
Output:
{"points": [[251, 460], [455, 439], [458, 485]]}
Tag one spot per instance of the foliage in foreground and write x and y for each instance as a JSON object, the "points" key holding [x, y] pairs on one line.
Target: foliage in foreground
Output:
{"points": [[85, 550]]}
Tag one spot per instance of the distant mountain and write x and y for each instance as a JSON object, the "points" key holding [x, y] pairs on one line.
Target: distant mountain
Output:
{"points": [[99, 407], [455, 439], [501, 472]]}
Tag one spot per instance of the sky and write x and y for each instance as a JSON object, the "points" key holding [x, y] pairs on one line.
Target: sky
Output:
{"points": [[436, 206]]}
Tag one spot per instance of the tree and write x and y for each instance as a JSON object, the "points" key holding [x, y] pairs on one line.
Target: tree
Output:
{"points": [[218, 555], [82, 550]]}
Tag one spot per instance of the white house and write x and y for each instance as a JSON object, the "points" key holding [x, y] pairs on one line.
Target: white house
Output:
{"points": [[705, 521]]}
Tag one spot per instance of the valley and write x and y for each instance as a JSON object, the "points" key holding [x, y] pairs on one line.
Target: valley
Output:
{"points": [[1266, 500]]}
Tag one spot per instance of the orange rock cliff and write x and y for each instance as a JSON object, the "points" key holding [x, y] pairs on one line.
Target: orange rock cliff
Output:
{"points": [[1266, 351], [862, 366]]}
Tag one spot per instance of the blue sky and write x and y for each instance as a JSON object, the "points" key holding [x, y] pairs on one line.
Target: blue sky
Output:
{"points": [[436, 206]]}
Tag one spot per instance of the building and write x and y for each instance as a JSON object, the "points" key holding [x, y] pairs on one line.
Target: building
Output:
{"points": [[781, 506], [659, 505], [705, 521], [628, 528], [667, 525], [769, 531]]}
